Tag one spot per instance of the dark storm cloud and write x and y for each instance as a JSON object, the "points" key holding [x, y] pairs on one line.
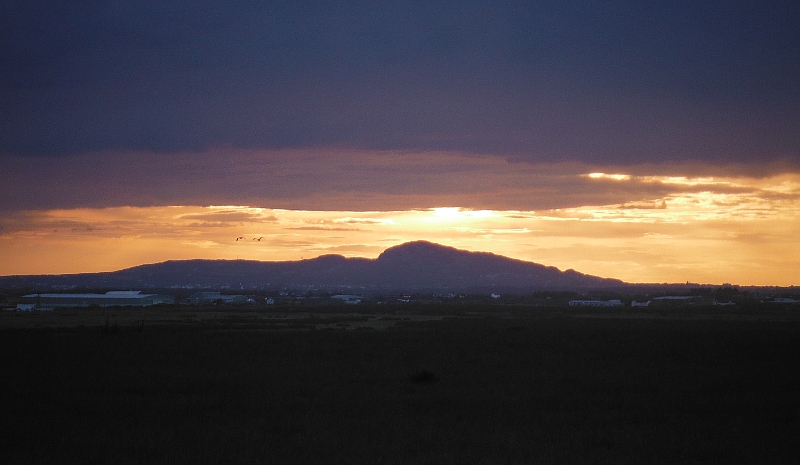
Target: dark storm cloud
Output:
{"points": [[599, 82]]}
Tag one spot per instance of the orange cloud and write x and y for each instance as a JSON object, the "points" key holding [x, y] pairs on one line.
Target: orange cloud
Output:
{"points": [[709, 237]]}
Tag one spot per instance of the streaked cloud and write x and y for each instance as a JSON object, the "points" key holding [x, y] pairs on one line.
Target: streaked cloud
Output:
{"points": [[343, 180]]}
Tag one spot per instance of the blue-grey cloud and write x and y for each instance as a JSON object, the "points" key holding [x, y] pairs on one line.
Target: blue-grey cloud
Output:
{"points": [[364, 181], [598, 82]]}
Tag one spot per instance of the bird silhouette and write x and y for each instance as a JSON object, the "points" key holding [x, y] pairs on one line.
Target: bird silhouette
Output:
{"points": [[240, 237], [259, 239]]}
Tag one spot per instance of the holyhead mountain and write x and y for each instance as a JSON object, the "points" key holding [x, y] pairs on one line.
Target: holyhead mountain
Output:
{"points": [[418, 266]]}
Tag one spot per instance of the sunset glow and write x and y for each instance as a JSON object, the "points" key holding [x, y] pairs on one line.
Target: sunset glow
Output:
{"points": [[709, 234]]}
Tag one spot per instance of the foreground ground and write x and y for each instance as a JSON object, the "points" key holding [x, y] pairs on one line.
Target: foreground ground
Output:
{"points": [[400, 385]]}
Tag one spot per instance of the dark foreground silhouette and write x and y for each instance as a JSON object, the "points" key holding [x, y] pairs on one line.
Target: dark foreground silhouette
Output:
{"points": [[512, 386]]}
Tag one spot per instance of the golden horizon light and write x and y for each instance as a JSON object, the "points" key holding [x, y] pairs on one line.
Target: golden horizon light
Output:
{"points": [[719, 230]]}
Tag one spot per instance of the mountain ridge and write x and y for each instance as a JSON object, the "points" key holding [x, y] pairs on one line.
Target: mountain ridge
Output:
{"points": [[410, 267]]}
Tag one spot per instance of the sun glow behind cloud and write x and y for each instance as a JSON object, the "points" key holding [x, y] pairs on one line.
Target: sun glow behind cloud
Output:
{"points": [[705, 230], [615, 177]]}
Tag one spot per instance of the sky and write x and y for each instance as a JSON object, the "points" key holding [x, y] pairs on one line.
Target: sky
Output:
{"points": [[643, 140]]}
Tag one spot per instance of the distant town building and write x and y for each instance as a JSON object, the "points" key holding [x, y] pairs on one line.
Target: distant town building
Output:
{"points": [[109, 299], [640, 304], [29, 308], [784, 300], [595, 303], [348, 298], [209, 297], [679, 300]]}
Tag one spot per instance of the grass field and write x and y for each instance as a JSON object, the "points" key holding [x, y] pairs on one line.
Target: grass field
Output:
{"points": [[435, 385]]}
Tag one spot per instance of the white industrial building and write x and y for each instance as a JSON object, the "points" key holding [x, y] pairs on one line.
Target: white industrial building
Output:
{"points": [[109, 299], [596, 303]]}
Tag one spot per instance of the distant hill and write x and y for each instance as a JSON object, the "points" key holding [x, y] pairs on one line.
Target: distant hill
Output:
{"points": [[411, 267]]}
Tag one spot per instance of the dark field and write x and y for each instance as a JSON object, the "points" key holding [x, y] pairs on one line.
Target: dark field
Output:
{"points": [[435, 385]]}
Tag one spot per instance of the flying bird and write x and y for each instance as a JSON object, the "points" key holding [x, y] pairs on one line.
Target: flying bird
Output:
{"points": [[259, 239], [240, 237]]}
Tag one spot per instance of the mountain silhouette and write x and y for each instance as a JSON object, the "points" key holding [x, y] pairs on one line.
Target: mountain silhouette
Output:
{"points": [[418, 266]]}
